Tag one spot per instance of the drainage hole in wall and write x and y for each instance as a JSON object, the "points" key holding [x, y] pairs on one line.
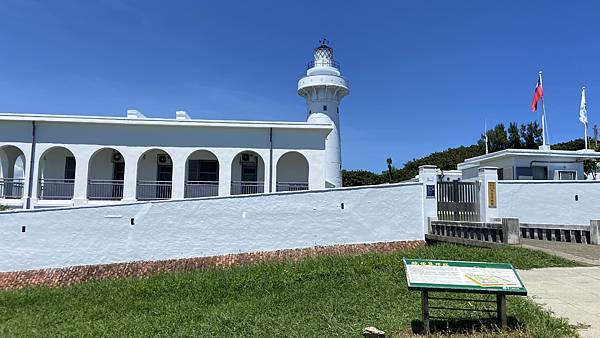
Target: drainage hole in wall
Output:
{"points": [[23, 228], [132, 221], [576, 197], [342, 206]]}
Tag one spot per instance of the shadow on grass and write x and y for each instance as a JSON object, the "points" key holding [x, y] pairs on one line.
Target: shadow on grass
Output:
{"points": [[463, 326]]}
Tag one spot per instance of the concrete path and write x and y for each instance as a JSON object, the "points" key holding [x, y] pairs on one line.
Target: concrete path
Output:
{"points": [[573, 293], [584, 253]]}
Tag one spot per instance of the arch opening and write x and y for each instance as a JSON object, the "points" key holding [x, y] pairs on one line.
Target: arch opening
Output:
{"points": [[106, 175], [56, 174], [12, 172], [247, 173], [154, 175], [201, 174], [292, 172]]}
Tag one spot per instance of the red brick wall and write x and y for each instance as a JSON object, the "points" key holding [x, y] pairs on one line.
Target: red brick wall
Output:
{"points": [[76, 274]]}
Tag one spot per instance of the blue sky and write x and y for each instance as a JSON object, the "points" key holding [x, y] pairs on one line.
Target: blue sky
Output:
{"points": [[424, 74]]}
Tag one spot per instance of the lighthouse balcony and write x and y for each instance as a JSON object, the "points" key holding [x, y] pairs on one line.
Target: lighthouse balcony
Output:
{"points": [[323, 63]]}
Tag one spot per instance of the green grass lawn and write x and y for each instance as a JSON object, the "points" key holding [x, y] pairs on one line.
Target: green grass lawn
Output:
{"points": [[326, 296]]}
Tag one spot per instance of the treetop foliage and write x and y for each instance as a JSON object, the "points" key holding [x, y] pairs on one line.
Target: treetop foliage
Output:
{"points": [[524, 136]]}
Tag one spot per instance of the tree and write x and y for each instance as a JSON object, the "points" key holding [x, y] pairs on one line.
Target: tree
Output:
{"points": [[352, 178], [514, 138], [3, 207], [531, 135]]}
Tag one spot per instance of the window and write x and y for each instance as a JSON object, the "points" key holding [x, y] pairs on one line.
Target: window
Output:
{"points": [[540, 173], [500, 174], [249, 172], [325, 108], [69, 168], [565, 175], [203, 170]]}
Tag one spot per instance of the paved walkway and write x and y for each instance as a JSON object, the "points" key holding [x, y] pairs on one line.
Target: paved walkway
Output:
{"points": [[573, 293], [584, 253]]}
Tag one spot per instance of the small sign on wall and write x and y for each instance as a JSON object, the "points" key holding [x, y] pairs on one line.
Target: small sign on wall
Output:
{"points": [[492, 201], [430, 191]]}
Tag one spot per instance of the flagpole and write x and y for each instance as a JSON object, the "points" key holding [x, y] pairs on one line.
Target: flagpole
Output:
{"points": [[486, 137], [543, 115], [584, 105]]}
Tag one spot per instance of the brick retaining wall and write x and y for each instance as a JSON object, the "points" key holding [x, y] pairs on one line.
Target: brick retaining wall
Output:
{"points": [[70, 275]]}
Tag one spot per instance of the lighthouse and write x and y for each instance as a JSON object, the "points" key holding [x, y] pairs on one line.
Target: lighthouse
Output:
{"points": [[323, 87]]}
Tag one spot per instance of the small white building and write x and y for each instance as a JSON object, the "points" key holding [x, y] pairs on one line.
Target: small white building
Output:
{"points": [[50, 160], [531, 164]]}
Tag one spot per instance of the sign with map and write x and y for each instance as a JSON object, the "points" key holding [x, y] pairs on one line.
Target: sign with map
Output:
{"points": [[440, 275]]}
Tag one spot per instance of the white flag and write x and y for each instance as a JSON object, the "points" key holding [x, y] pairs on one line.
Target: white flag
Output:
{"points": [[583, 108]]}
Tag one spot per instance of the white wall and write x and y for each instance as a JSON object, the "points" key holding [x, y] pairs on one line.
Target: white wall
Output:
{"points": [[292, 167], [101, 165], [213, 226], [549, 201]]}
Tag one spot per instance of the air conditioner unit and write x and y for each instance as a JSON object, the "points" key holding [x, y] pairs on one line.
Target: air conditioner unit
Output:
{"points": [[248, 158], [565, 175], [117, 157], [164, 159]]}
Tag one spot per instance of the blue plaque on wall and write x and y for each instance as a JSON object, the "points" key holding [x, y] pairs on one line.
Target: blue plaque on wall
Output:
{"points": [[430, 191]]}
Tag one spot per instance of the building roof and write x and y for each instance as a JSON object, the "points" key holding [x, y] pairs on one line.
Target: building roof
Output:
{"points": [[142, 120], [558, 154]]}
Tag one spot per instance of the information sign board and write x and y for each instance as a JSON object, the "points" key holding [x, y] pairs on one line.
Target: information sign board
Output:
{"points": [[492, 195], [441, 275]]}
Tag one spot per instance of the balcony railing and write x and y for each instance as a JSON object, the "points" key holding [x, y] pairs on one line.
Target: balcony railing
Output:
{"points": [[244, 188], [323, 63], [11, 188], [153, 190], [201, 189], [56, 189], [292, 186], [105, 190]]}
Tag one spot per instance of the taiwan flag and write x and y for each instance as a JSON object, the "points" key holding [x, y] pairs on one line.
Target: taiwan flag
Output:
{"points": [[537, 94]]}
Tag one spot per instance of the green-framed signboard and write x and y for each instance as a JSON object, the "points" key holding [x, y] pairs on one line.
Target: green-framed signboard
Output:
{"points": [[477, 277]]}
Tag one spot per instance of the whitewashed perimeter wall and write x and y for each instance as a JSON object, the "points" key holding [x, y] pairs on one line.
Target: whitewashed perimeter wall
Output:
{"points": [[550, 202], [207, 227]]}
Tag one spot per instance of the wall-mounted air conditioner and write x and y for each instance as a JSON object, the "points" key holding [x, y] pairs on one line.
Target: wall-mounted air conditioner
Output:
{"points": [[163, 159], [117, 157], [248, 158]]}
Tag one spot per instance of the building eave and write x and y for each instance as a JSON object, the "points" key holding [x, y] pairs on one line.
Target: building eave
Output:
{"points": [[560, 154], [162, 122]]}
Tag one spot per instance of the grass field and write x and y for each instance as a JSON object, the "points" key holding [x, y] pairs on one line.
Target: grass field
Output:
{"points": [[327, 296]]}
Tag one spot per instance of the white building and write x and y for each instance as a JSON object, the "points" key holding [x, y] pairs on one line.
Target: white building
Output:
{"points": [[531, 164], [49, 160]]}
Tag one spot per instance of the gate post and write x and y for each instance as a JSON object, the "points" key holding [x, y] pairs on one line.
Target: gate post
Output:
{"points": [[428, 179], [594, 232], [488, 193]]}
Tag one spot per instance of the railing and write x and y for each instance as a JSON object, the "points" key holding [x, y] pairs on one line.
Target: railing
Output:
{"points": [[153, 190], [105, 190], [11, 188], [458, 201], [582, 234], [244, 188], [201, 189], [466, 232], [291, 186], [323, 63], [56, 189]]}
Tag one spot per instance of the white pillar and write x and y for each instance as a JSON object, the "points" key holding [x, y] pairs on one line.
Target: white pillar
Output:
{"points": [[178, 179], [130, 177], [82, 160], [224, 173], [428, 179], [488, 193]]}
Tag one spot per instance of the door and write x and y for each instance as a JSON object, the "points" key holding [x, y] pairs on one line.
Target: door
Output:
{"points": [[164, 177], [118, 180]]}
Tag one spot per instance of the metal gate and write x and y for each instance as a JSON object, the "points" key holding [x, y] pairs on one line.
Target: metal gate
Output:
{"points": [[458, 201]]}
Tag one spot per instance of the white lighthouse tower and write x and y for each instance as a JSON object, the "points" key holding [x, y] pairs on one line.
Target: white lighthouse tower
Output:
{"points": [[324, 87]]}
